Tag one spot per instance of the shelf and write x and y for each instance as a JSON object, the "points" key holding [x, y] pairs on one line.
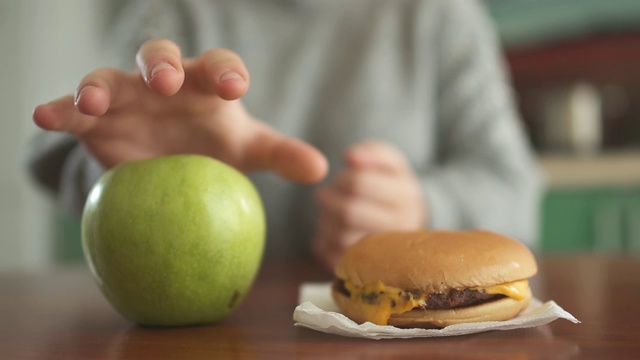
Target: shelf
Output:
{"points": [[615, 169]]}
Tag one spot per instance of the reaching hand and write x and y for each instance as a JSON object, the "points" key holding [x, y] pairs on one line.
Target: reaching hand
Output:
{"points": [[377, 191], [173, 105]]}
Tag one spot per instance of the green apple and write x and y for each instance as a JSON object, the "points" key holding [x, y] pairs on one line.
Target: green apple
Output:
{"points": [[175, 240]]}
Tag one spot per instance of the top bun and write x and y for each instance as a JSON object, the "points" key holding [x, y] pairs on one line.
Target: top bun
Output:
{"points": [[436, 261]]}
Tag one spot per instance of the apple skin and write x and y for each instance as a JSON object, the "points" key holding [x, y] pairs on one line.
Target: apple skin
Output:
{"points": [[175, 240]]}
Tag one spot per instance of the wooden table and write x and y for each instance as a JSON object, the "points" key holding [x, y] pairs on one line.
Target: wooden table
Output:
{"points": [[62, 315]]}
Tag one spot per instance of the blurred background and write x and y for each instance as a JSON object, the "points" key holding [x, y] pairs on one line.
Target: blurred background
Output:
{"points": [[575, 66]]}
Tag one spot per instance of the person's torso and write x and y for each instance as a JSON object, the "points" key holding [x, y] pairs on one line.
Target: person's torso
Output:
{"points": [[332, 73]]}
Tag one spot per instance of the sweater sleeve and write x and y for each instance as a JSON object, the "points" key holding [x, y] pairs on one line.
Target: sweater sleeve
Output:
{"points": [[486, 176]]}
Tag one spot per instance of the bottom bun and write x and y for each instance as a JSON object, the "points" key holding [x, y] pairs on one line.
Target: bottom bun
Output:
{"points": [[496, 310]]}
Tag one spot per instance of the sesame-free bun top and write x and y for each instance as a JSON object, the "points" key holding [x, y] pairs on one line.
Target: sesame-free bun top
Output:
{"points": [[435, 261]]}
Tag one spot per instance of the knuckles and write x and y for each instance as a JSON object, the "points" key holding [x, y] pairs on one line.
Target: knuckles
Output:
{"points": [[353, 183]]}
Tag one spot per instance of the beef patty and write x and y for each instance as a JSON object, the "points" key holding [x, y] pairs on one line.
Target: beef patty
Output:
{"points": [[452, 299]]}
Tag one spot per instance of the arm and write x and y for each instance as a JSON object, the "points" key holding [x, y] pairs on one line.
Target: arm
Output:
{"points": [[486, 176]]}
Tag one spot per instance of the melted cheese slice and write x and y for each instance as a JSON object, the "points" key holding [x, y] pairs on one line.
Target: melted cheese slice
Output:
{"points": [[378, 302], [516, 290]]}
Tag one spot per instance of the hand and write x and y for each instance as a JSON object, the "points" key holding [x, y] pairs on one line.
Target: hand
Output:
{"points": [[173, 105], [376, 191]]}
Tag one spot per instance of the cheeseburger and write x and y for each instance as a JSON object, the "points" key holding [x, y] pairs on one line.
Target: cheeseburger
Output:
{"points": [[432, 279]]}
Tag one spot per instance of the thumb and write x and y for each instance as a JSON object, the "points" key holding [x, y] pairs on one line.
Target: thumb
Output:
{"points": [[292, 158]]}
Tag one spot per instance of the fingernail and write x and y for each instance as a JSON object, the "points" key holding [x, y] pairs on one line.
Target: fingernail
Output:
{"points": [[230, 75], [79, 93], [161, 66]]}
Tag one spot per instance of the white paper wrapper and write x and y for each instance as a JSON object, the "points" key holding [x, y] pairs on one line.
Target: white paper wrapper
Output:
{"points": [[318, 311]]}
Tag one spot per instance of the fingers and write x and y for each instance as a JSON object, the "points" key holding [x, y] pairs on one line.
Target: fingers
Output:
{"points": [[219, 71], [376, 155], [343, 211], [377, 191], [105, 89], [160, 64], [340, 223], [344, 217], [61, 115], [328, 246], [109, 89], [97, 93], [330, 241], [380, 188]]}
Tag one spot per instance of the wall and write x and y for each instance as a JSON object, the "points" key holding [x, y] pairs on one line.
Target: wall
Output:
{"points": [[47, 46]]}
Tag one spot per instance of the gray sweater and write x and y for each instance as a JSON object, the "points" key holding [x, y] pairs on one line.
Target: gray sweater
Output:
{"points": [[424, 75]]}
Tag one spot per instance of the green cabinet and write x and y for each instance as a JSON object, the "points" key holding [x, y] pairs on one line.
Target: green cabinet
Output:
{"points": [[591, 219]]}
